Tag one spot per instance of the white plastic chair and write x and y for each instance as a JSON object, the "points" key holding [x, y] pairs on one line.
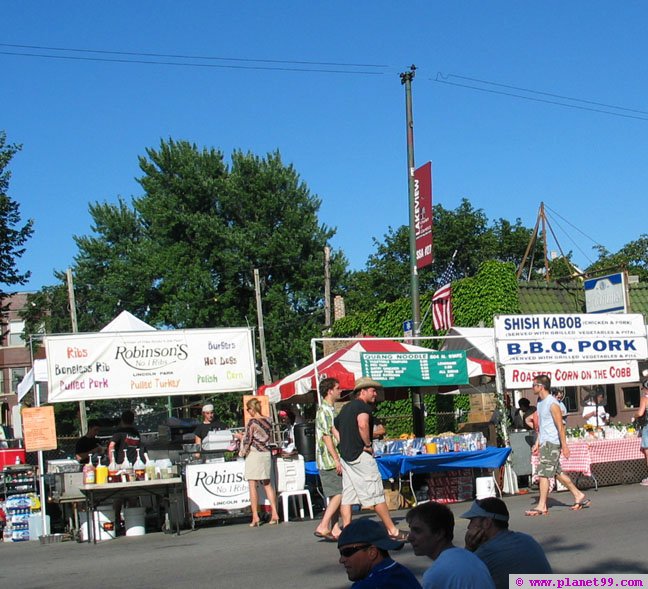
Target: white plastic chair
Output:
{"points": [[291, 480]]}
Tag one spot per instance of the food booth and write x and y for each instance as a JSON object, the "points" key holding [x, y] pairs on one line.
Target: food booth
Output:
{"points": [[399, 365], [591, 353], [131, 364]]}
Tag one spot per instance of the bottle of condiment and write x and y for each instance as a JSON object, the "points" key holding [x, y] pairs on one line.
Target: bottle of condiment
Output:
{"points": [[89, 477], [126, 469], [139, 467], [150, 469], [113, 469], [101, 473]]}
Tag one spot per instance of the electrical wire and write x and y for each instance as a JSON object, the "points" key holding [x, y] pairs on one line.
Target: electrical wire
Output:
{"points": [[540, 92], [541, 100], [182, 56]]}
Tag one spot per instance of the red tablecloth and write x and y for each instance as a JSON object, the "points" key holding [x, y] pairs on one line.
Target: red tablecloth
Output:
{"points": [[583, 454]]}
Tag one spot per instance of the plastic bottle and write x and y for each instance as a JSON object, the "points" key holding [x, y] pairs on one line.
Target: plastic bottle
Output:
{"points": [[126, 469], [139, 467], [17, 460], [113, 469], [89, 474], [101, 473], [150, 469]]}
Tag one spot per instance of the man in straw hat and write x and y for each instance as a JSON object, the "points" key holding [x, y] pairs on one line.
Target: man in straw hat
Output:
{"points": [[364, 546], [361, 480], [503, 551]]}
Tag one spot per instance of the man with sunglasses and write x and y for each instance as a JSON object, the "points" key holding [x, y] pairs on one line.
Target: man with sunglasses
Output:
{"points": [[550, 444], [364, 546]]}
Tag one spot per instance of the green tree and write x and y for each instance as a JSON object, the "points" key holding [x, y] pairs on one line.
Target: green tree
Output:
{"points": [[13, 235], [182, 254], [633, 257], [464, 230]]}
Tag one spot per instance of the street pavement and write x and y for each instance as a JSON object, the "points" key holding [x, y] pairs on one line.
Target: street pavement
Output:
{"points": [[605, 538]]}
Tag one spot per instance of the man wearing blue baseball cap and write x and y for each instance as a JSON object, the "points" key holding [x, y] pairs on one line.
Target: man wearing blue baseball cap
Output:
{"points": [[364, 546], [503, 552]]}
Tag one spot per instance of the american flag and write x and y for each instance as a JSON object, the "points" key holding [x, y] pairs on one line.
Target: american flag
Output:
{"points": [[442, 298]]}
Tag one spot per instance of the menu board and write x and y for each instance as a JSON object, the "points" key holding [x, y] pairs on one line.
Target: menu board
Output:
{"points": [[39, 428], [422, 369]]}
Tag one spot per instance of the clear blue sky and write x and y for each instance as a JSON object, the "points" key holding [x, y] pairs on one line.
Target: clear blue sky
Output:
{"points": [[84, 123]]}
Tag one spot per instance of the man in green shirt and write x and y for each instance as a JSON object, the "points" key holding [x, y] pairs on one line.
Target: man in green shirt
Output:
{"points": [[328, 459]]}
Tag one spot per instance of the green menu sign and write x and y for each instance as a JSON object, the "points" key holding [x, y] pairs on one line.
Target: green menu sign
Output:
{"points": [[419, 369]]}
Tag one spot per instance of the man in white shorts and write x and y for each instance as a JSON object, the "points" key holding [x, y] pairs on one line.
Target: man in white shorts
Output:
{"points": [[361, 480]]}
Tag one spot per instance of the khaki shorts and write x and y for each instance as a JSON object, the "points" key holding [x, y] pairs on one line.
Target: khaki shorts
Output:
{"points": [[361, 482], [549, 464]]}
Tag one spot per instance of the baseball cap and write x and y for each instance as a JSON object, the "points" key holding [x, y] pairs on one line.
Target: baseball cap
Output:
{"points": [[476, 510], [368, 531], [365, 382], [208, 407]]}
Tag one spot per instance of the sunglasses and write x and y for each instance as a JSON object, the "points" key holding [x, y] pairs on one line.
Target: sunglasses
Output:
{"points": [[351, 550]]}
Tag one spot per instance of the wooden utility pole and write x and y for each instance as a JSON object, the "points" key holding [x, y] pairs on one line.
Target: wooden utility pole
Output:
{"points": [[264, 358], [75, 328], [327, 287]]}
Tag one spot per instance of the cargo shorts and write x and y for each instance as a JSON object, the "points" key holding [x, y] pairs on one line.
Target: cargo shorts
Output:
{"points": [[549, 464]]}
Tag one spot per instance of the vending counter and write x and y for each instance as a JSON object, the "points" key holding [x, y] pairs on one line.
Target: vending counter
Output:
{"points": [[169, 490], [603, 462]]}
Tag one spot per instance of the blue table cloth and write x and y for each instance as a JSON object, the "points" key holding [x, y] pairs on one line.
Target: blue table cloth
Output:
{"points": [[395, 465]]}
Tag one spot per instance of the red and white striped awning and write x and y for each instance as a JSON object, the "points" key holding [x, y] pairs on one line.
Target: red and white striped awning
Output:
{"points": [[344, 365]]}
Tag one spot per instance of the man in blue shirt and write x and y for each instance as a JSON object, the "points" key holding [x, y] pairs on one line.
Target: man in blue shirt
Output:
{"points": [[364, 546], [504, 552]]}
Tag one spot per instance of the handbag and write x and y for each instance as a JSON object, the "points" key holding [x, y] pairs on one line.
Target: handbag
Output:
{"points": [[641, 422]]}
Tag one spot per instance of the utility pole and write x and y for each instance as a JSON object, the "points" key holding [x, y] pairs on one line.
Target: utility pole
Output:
{"points": [[264, 358], [327, 287], [75, 328], [406, 80]]}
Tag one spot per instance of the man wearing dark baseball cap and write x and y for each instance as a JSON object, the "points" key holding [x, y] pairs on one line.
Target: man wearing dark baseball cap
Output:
{"points": [[364, 546], [503, 552]]}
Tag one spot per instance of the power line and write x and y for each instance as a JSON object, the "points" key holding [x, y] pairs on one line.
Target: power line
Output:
{"points": [[546, 101], [540, 92], [322, 70], [182, 56]]}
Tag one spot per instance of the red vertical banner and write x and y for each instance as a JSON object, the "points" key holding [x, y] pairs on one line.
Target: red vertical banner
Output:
{"points": [[423, 215]]}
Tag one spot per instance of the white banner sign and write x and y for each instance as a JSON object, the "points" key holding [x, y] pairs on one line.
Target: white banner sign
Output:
{"points": [[571, 375], [570, 338], [149, 363], [217, 485]]}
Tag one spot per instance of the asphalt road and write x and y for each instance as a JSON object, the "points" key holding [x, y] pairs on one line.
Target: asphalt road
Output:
{"points": [[606, 538]]}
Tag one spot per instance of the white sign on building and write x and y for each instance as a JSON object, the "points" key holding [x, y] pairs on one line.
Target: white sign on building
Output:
{"points": [[606, 294]]}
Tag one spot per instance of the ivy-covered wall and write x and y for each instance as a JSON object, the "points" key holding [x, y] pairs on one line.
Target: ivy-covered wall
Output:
{"points": [[475, 301]]}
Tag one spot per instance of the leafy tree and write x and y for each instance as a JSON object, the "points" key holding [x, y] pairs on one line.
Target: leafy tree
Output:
{"points": [[182, 254], [464, 230], [633, 257], [13, 236]]}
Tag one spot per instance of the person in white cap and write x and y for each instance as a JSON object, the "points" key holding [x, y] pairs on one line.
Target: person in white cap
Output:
{"points": [[361, 480], [503, 551], [209, 424]]}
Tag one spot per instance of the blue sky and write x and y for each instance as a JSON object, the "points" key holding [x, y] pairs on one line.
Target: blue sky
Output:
{"points": [[84, 123]]}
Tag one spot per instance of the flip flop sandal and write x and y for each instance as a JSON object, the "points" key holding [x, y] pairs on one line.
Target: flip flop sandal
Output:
{"points": [[585, 503], [536, 512], [328, 537]]}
